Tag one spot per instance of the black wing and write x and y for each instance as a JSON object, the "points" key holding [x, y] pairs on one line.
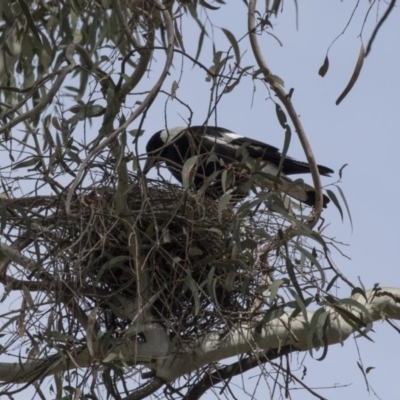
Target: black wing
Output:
{"points": [[227, 142]]}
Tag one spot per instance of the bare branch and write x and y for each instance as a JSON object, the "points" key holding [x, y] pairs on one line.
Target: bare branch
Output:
{"points": [[379, 25], [287, 102], [280, 332], [145, 103], [146, 390], [130, 350], [237, 368]]}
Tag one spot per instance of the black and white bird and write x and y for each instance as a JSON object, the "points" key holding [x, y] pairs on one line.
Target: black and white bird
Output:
{"points": [[216, 150]]}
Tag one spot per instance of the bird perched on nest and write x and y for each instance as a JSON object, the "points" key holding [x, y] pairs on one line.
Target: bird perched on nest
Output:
{"points": [[223, 162]]}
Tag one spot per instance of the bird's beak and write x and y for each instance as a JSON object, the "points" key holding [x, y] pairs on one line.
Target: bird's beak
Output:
{"points": [[150, 162]]}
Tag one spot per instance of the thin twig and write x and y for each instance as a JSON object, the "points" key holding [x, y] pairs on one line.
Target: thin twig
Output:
{"points": [[145, 103], [378, 26], [287, 102]]}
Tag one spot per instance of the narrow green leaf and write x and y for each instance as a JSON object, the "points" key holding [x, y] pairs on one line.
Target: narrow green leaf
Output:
{"points": [[115, 262], [331, 283], [314, 261], [352, 319], [210, 179], [9, 322], [269, 316], [223, 179], [29, 19], [195, 292], [335, 201], [210, 284], [273, 289], [275, 7], [341, 170], [360, 291], [195, 251], [110, 357], [94, 110], [315, 334], [26, 163], [234, 44], [354, 77], [346, 204], [299, 305], [356, 304], [207, 5], [200, 43], [136, 132], [187, 171], [24, 215], [281, 116], [178, 36], [292, 275], [223, 202], [286, 143]]}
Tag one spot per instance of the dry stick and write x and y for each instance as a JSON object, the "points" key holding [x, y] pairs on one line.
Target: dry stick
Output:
{"points": [[146, 390], [378, 26], [286, 101], [146, 102], [17, 257], [237, 368]]}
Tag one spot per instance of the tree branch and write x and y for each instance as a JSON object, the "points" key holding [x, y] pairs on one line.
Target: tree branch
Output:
{"points": [[281, 335], [129, 350], [286, 101], [237, 368], [278, 333], [146, 390], [48, 98], [143, 105]]}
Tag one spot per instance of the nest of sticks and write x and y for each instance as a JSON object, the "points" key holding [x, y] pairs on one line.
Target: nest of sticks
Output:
{"points": [[197, 276]]}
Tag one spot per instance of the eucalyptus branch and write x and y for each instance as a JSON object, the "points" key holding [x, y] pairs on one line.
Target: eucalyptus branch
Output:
{"points": [[145, 103], [287, 102], [17, 257], [275, 334], [47, 284], [128, 349], [126, 29], [146, 390], [48, 98], [141, 68], [30, 92], [238, 368], [145, 51], [15, 249]]}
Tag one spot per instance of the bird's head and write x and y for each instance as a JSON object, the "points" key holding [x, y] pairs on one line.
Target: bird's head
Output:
{"points": [[154, 149], [157, 144]]}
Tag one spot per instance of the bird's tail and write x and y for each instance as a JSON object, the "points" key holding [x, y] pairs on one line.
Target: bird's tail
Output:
{"points": [[296, 189], [300, 191]]}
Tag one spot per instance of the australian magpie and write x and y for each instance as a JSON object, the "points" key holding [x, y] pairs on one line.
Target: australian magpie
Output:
{"points": [[226, 162]]}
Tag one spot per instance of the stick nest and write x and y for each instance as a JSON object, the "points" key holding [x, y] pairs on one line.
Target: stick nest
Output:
{"points": [[188, 250]]}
